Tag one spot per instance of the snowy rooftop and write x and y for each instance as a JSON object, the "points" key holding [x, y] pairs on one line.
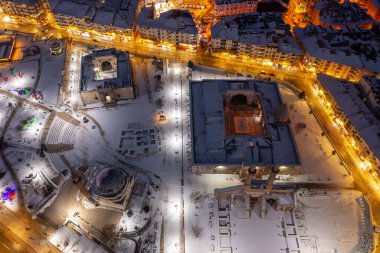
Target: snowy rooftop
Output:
{"points": [[90, 80], [6, 47], [346, 96], [262, 29], [350, 46], [269, 143], [374, 84], [347, 13], [173, 20], [22, 1], [118, 13]]}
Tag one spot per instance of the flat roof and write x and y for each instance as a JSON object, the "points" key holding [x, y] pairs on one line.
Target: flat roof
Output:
{"points": [[70, 8], [260, 29], [6, 48], [212, 146], [351, 46], [173, 20], [124, 74], [118, 13], [346, 95]]}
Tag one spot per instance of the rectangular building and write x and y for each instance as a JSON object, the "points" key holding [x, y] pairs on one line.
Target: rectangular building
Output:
{"points": [[236, 123], [89, 17], [262, 36], [32, 11], [174, 26], [106, 77], [348, 53]]}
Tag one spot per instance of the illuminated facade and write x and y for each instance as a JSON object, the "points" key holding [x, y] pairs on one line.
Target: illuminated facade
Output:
{"points": [[174, 26], [260, 36], [234, 7], [345, 53], [299, 13], [31, 11], [358, 125], [198, 4]]}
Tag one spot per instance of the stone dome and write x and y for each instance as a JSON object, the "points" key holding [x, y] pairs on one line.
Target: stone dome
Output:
{"points": [[110, 180]]}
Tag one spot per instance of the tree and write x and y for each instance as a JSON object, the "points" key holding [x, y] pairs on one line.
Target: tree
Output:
{"points": [[196, 230]]}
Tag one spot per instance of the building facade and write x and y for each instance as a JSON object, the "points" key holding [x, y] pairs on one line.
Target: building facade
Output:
{"points": [[357, 123], [31, 11], [347, 53], [234, 7], [175, 26]]}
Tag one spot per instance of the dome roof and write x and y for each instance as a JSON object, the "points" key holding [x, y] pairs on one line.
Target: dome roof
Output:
{"points": [[110, 180]]}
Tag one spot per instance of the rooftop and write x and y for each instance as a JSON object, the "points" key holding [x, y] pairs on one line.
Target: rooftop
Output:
{"points": [[237, 122], [262, 29], [350, 46], [114, 70], [118, 13], [346, 96], [346, 13], [173, 20], [6, 48]]}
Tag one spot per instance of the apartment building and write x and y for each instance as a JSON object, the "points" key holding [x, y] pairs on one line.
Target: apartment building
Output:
{"points": [[262, 36], [358, 124], [337, 14], [234, 7], [31, 11], [348, 53], [173, 26], [91, 17]]}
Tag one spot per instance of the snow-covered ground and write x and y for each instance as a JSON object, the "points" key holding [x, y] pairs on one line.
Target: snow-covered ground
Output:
{"points": [[42, 71], [191, 216]]}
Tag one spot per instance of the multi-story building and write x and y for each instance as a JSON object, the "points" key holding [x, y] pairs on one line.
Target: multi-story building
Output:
{"points": [[89, 17], [348, 53], [106, 77], [372, 7], [336, 14], [357, 123], [197, 4], [174, 26], [262, 36], [237, 123], [234, 7], [32, 11]]}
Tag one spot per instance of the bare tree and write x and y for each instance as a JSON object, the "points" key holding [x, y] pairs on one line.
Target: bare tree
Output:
{"points": [[196, 230]]}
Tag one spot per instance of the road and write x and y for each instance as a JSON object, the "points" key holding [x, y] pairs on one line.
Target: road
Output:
{"points": [[10, 243]]}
